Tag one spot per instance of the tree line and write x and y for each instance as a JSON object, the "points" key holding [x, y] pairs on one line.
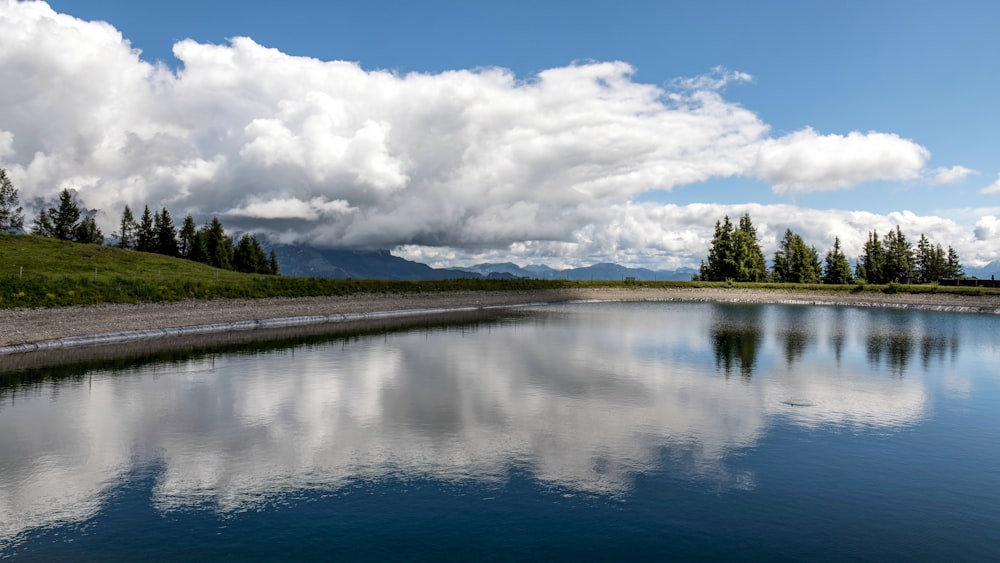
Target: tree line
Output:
{"points": [[151, 232], [735, 255]]}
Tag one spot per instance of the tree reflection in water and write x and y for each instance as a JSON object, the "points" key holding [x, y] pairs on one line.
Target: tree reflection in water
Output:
{"points": [[736, 338]]}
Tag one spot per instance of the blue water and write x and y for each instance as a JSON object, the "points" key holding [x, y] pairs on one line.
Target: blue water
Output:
{"points": [[588, 431]]}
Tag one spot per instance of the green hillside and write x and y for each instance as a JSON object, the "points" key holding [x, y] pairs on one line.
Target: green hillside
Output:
{"points": [[39, 272], [44, 272]]}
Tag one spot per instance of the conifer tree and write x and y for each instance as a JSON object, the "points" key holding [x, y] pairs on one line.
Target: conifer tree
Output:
{"points": [[953, 267], [187, 235], [43, 224], [11, 213], [87, 232], [218, 245], [249, 257], [871, 263], [898, 265], [166, 234], [273, 263], [837, 269], [66, 217], [127, 229], [735, 253], [145, 234]]}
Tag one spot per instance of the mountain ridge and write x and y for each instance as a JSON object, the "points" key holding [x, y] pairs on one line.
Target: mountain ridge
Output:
{"points": [[308, 261]]}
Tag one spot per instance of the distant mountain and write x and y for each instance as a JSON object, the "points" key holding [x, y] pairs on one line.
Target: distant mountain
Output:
{"points": [[985, 272], [307, 261], [603, 271], [358, 264]]}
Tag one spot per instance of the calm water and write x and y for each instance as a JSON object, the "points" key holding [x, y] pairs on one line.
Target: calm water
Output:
{"points": [[587, 431]]}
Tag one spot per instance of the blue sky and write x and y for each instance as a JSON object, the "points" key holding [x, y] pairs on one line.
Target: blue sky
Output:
{"points": [[914, 82]]}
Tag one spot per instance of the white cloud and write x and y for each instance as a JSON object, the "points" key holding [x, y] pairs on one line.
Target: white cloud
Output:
{"points": [[950, 175], [466, 163], [806, 161], [6, 143], [993, 188]]}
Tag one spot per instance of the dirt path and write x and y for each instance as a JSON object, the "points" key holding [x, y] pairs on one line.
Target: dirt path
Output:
{"points": [[25, 326]]}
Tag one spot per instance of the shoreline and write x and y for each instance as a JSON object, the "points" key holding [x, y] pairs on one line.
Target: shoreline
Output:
{"points": [[38, 330]]}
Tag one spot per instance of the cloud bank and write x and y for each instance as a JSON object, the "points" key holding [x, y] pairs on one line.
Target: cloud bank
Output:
{"points": [[455, 166]]}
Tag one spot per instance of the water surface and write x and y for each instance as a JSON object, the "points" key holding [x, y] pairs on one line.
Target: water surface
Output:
{"points": [[573, 431]]}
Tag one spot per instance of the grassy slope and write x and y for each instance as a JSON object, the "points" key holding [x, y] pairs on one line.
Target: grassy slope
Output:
{"points": [[39, 272]]}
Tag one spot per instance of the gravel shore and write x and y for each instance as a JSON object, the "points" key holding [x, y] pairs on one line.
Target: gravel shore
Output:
{"points": [[28, 326]]}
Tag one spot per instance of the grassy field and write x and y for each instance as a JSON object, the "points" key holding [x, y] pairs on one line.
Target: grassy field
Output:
{"points": [[43, 272]]}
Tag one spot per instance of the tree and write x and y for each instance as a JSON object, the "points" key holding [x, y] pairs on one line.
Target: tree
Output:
{"points": [[719, 253], [198, 249], [218, 245], [127, 229], [43, 224], [65, 218], [837, 270], [734, 253], [871, 263], [165, 234], [145, 234], [898, 257], [794, 262], [272, 263], [87, 232], [249, 257], [11, 213], [930, 263], [187, 236], [752, 266], [953, 268], [780, 270]]}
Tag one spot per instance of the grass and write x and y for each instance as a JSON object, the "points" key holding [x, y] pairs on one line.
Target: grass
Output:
{"points": [[43, 272]]}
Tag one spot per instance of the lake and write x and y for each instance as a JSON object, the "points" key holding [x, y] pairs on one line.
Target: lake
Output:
{"points": [[634, 431]]}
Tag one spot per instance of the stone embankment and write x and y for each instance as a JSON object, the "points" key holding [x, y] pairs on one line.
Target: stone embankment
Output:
{"points": [[28, 330]]}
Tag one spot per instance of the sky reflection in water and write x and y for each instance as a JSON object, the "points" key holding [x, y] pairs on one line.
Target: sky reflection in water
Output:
{"points": [[584, 398]]}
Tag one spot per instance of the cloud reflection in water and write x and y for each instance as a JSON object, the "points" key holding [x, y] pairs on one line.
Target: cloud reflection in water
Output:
{"points": [[583, 397]]}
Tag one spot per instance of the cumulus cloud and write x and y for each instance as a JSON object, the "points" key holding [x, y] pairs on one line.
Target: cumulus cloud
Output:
{"points": [[460, 163], [807, 161], [950, 175], [993, 188]]}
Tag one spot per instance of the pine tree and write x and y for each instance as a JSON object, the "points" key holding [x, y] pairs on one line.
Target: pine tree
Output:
{"points": [[780, 271], [794, 262], [753, 267], [719, 264], [734, 253], [953, 268], [127, 229], [145, 234], [837, 270], [871, 263], [11, 213], [66, 217], [218, 245], [898, 257], [187, 235], [272, 263], [43, 224], [166, 235], [249, 257], [87, 232], [198, 249]]}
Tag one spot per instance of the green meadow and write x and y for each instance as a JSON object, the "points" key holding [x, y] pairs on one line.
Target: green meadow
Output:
{"points": [[44, 272]]}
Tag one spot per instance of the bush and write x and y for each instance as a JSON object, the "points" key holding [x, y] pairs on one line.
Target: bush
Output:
{"points": [[893, 287]]}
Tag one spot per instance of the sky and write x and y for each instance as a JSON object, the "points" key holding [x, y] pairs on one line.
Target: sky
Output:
{"points": [[565, 133]]}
